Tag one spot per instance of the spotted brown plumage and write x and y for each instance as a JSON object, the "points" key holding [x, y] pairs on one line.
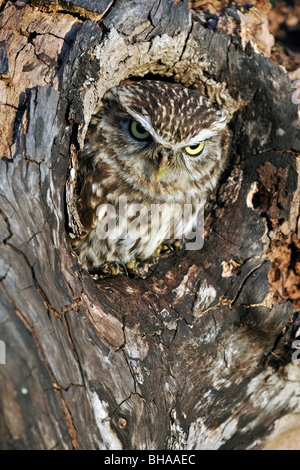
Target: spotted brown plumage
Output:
{"points": [[152, 142]]}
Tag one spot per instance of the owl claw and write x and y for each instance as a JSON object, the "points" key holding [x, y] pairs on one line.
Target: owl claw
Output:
{"points": [[178, 244], [167, 246], [135, 266], [158, 250], [124, 268], [175, 245], [132, 264], [116, 268]]}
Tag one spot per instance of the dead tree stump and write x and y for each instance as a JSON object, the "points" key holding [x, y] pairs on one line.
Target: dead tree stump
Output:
{"points": [[198, 354]]}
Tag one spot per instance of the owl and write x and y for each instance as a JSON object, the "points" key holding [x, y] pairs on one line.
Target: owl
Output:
{"points": [[152, 148]]}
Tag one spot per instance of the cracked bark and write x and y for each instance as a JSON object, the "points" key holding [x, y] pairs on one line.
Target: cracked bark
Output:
{"points": [[197, 354]]}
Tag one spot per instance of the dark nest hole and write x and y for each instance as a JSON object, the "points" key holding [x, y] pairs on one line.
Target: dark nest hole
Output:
{"points": [[170, 256]]}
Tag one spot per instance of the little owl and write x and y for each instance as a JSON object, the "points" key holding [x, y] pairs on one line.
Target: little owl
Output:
{"points": [[151, 144]]}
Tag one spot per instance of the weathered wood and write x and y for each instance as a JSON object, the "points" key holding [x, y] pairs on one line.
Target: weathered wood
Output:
{"points": [[197, 354]]}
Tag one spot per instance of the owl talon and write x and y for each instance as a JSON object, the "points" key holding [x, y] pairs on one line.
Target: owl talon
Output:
{"points": [[124, 268], [178, 244], [167, 246], [132, 264], [115, 268], [140, 263]]}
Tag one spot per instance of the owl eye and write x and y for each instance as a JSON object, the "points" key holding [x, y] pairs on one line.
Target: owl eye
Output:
{"points": [[195, 149], [138, 131]]}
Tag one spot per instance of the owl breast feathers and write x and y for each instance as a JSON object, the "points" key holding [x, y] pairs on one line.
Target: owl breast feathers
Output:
{"points": [[152, 148]]}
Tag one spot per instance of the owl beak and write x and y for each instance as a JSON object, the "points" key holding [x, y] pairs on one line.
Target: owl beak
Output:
{"points": [[163, 163]]}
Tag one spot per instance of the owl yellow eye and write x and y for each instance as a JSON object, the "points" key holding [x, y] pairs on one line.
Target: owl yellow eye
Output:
{"points": [[195, 149], [138, 131]]}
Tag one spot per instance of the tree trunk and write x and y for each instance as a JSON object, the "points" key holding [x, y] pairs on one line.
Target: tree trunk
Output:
{"points": [[198, 353]]}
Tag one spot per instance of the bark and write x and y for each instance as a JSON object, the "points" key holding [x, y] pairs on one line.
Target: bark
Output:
{"points": [[196, 355]]}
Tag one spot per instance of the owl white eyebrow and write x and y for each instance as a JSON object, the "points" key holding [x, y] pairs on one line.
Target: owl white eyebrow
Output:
{"points": [[204, 134]]}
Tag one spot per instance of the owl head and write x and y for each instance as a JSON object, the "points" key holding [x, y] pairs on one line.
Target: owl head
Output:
{"points": [[164, 139]]}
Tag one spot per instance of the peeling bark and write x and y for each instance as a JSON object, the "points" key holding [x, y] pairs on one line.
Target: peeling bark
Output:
{"points": [[196, 355]]}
